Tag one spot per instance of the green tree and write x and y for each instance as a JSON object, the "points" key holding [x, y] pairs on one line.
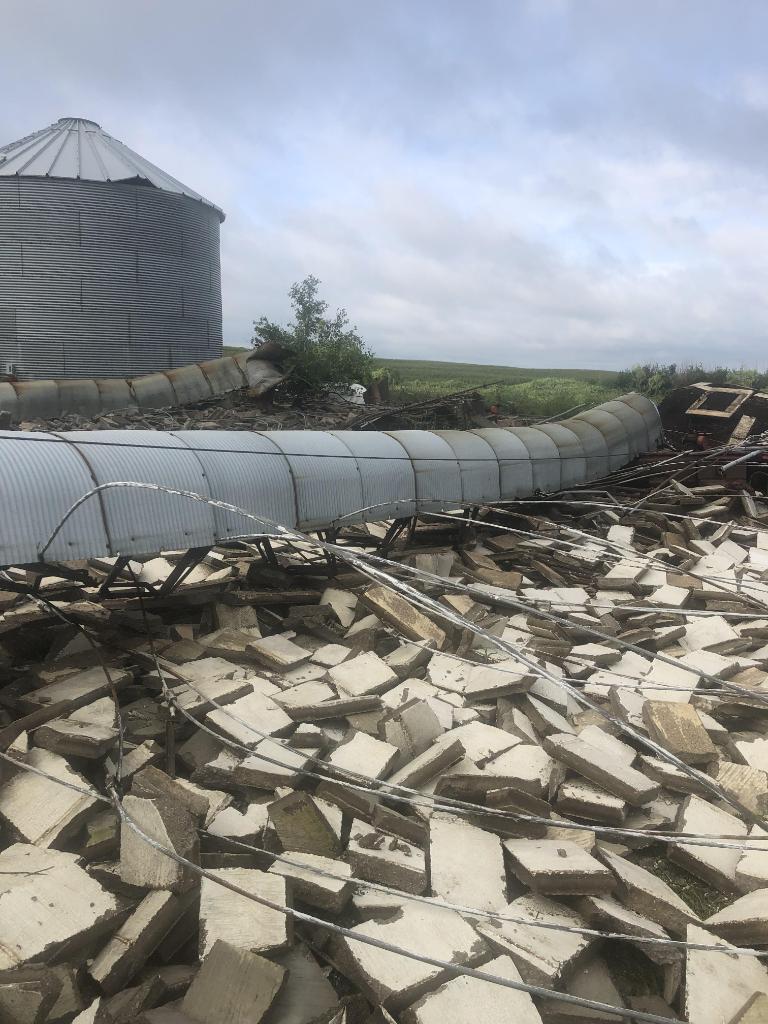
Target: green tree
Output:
{"points": [[324, 351]]}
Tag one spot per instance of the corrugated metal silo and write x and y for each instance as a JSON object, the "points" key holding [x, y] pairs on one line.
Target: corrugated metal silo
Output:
{"points": [[109, 267]]}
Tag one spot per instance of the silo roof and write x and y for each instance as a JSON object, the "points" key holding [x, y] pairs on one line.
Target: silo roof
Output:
{"points": [[77, 148]]}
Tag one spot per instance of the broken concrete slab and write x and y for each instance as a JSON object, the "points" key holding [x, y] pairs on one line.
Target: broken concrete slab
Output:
{"points": [[233, 986], [456, 848], [169, 824], [717, 985], [365, 674], [130, 947], [310, 885], [715, 865], [49, 905], [387, 860], [364, 755], [743, 922], [557, 867], [598, 766], [393, 609], [303, 823], [543, 956], [40, 810], [460, 999], [239, 921], [649, 895], [678, 728], [752, 869], [394, 980]]}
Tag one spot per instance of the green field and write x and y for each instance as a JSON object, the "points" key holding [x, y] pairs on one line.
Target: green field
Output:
{"points": [[527, 392]]}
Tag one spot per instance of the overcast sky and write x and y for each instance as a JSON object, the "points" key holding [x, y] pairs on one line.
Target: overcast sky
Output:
{"points": [[543, 183]]}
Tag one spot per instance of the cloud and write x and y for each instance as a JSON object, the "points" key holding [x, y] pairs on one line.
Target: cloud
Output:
{"points": [[545, 183]]}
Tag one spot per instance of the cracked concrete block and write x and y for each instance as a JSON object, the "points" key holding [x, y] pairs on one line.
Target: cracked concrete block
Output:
{"points": [[585, 800], [649, 895], [233, 986], [677, 727], [429, 765], [456, 849], [743, 922], [277, 652], [557, 867], [543, 956], [271, 765], [135, 941], [330, 655], [244, 923], [312, 887], [249, 719], [717, 985], [752, 869], [364, 674], [411, 727], [40, 810], [377, 857], [597, 765], [48, 905], [461, 999], [170, 824], [302, 823], [607, 914], [343, 603], [363, 755], [394, 980], [715, 865], [393, 609], [525, 767]]}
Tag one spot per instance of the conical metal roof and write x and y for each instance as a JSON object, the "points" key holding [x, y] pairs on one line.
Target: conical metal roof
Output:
{"points": [[75, 147]]}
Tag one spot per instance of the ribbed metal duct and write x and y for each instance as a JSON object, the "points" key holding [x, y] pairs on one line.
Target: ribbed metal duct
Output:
{"points": [[306, 479]]}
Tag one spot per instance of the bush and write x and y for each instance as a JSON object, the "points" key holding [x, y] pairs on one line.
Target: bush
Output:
{"points": [[324, 352]]}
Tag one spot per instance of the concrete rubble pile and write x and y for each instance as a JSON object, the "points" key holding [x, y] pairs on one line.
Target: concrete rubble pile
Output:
{"points": [[318, 777]]}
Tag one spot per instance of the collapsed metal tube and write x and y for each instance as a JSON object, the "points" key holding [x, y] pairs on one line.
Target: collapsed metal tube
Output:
{"points": [[305, 479]]}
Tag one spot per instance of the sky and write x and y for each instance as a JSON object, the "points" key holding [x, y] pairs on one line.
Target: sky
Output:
{"points": [[550, 183]]}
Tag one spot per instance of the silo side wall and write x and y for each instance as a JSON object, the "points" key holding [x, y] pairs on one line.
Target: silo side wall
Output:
{"points": [[105, 279]]}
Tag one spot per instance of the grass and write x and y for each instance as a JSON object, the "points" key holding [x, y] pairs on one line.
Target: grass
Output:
{"points": [[521, 391]]}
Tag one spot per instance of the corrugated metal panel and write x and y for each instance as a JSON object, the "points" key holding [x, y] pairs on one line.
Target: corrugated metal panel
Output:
{"points": [[634, 425], [82, 395], [141, 520], [153, 392], [223, 375], [8, 401], [253, 474], [545, 458], [189, 384], [614, 432], [573, 465], [103, 280], [36, 399], [648, 411], [325, 474], [438, 476], [595, 447], [478, 466], [115, 394], [41, 479], [75, 147], [515, 470], [386, 474]]}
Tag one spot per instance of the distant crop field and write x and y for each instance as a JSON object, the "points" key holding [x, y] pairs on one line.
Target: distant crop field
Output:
{"points": [[522, 391]]}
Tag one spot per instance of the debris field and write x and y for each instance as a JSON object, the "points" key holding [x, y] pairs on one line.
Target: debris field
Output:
{"points": [[504, 769]]}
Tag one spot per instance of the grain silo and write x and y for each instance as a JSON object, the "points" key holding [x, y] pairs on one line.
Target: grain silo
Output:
{"points": [[109, 267]]}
